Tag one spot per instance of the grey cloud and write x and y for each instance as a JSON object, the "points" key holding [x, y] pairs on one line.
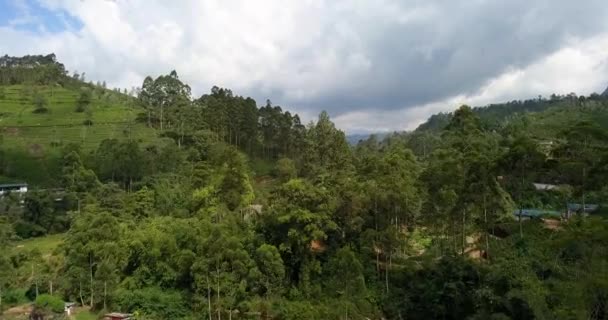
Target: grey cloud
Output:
{"points": [[342, 56], [457, 48]]}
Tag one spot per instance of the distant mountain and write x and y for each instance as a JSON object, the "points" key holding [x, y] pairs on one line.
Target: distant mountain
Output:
{"points": [[605, 93], [353, 139], [494, 116]]}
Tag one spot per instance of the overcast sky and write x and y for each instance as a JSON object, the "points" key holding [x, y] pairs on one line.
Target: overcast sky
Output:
{"points": [[378, 65]]}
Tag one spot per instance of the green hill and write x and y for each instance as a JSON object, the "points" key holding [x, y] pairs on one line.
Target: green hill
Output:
{"points": [[109, 115], [545, 117], [43, 110]]}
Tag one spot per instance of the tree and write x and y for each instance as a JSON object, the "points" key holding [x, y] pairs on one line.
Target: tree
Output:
{"points": [[222, 273], [84, 100], [521, 165], [93, 252], [299, 218], [234, 187], [272, 270], [345, 275], [40, 103], [327, 152], [162, 93], [6, 267], [285, 169]]}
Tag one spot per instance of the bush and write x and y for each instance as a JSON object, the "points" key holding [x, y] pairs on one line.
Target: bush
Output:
{"points": [[87, 122], [40, 110], [49, 302], [14, 297], [84, 100], [156, 302]]}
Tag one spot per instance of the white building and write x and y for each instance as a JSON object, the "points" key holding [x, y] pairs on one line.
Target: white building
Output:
{"points": [[13, 188]]}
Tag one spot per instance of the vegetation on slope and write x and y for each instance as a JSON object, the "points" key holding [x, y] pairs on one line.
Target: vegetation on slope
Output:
{"points": [[178, 226]]}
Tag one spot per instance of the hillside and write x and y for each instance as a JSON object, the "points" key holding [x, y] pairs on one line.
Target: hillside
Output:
{"points": [[546, 115], [108, 115], [32, 141], [175, 207]]}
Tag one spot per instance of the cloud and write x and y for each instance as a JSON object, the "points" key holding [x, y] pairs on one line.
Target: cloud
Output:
{"points": [[379, 65], [580, 67]]}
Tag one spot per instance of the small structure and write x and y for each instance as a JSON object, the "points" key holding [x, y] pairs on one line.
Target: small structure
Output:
{"points": [[577, 208], [13, 188], [118, 316], [535, 213], [545, 186], [69, 308]]}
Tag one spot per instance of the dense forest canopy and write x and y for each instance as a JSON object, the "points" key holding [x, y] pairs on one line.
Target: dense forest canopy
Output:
{"points": [[225, 208]]}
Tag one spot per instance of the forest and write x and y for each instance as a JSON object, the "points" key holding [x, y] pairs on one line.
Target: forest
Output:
{"points": [[217, 207]]}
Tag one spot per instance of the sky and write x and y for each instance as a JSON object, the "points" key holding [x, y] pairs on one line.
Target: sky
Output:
{"points": [[375, 66]]}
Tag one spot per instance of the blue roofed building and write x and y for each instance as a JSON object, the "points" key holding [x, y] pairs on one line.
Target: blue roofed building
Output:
{"points": [[536, 213]]}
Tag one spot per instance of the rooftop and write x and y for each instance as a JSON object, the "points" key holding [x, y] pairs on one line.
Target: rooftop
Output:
{"points": [[535, 213], [13, 185]]}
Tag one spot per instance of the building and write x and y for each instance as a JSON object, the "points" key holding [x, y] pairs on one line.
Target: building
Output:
{"points": [[118, 316], [545, 186], [13, 188], [535, 213], [577, 208]]}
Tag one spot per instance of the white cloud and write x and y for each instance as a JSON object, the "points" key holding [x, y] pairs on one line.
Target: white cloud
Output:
{"points": [[405, 59]]}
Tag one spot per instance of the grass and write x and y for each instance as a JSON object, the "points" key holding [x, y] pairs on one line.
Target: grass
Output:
{"points": [[85, 315], [32, 142], [113, 116], [46, 245]]}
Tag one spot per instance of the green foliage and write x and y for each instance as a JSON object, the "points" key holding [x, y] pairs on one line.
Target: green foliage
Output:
{"points": [[286, 169], [84, 100], [153, 302], [40, 103], [183, 221], [49, 302]]}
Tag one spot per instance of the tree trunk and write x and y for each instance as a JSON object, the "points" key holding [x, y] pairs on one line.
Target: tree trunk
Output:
{"points": [[485, 218], [51, 286], [209, 296], [464, 235], [161, 117], [91, 280], [521, 230], [376, 250], [105, 293], [219, 309], [386, 274], [80, 293]]}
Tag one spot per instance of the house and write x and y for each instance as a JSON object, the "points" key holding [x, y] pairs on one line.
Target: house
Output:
{"points": [[118, 316], [13, 188]]}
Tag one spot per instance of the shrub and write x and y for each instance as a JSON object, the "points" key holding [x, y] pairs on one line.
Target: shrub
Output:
{"points": [[14, 297], [164, 304], [40, 103], [49, 302], [41, 110]]}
